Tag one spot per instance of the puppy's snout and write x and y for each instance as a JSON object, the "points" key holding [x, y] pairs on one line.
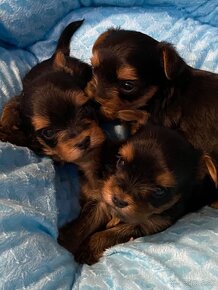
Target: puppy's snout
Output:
{"points": [[118, 202], [84, 144]]}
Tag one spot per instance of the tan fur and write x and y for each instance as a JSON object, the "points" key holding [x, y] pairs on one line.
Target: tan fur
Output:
{"points": [[166, 179], [79, 98], [211, 168], [113, 222], [95, 61], [59, 60], [137, 117], [215, 204], [90, 89], [100, 39], [127, 152], [40, 122], [127, 73]]}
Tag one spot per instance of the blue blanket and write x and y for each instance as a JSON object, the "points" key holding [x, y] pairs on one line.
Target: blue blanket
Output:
{"points": [[36, 197]]}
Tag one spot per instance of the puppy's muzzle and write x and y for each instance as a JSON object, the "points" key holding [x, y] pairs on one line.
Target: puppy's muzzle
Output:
{"points": [[84, 144]]}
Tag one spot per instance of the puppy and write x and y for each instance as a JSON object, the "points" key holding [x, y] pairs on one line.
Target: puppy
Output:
{"points": [[157, 179], [134, 71], [52, 115]]}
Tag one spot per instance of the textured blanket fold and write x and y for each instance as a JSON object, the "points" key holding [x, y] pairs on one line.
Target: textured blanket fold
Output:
{"points": [[37, 196]]}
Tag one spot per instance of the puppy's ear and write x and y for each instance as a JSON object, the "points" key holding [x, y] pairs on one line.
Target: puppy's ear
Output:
{"points": [[59, 61], [172, 62], [211, 168], [10, 118], [10, 123]]}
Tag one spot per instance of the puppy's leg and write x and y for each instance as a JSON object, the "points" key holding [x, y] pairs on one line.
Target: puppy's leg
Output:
{"points": [[94, 246], [93, 216]]}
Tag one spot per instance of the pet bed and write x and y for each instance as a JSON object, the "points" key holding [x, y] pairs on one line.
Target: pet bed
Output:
{"points": [[36, 196]]}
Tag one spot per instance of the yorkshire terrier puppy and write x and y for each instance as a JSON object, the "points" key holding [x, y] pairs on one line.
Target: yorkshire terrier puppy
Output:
{"points": [[52, 115], [134, 71], [158, 178]]}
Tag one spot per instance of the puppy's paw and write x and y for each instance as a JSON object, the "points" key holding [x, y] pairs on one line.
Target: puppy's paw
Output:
{"points": [[87, 256], [136, 117], [92, 249], [68, 239]]}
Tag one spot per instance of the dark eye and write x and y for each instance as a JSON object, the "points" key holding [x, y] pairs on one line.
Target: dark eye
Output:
{"points": [[127, 86], [120, 163], [48, 133], [160, 192]]}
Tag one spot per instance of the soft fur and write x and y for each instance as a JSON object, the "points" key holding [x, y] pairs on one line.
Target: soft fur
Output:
{"points": [[157, 178], [134, 71], [52, 115]]}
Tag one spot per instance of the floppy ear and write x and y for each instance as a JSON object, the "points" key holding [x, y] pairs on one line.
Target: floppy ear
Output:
{"points": [[10, 123], [10, 118], [173, 64], [211, 168], [73, 66]]}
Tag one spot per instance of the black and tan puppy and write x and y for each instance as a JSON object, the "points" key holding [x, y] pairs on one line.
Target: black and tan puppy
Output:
{"points": [[52, 115], [158, 178], [134, 71]]}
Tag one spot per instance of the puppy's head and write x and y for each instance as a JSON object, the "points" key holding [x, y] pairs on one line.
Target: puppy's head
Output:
{"points": [[156, 171], [129, 68], [63, 119]]}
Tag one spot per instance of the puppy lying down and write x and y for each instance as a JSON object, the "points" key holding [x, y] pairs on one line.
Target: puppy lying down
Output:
{"points": [[133, 71], [52, 116], [157, 178]]}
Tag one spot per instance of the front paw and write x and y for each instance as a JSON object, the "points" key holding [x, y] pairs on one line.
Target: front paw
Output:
{"points": [[85, 255], [91, 250], [69, 240]]}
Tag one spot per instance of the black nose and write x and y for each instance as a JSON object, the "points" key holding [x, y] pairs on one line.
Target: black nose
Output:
{"points": [[84, 144], [118, 202]]}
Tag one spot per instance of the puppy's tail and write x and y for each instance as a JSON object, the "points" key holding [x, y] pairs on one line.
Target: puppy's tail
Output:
{"points": [[63, 45]]}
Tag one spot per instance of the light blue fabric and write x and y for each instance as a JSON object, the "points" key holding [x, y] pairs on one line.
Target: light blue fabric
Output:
{"points": [[36, 196]]}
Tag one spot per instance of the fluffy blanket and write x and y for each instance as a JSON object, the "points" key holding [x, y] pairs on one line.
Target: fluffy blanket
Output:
{"points": [[36, 197]]}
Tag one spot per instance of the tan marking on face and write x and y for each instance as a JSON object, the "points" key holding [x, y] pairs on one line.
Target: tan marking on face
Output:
{"points": [[127, 152], [67, 150], [127, 73], [110, 189], [113, 104], [110, 106], [40, 122], [166, 179], [95, 61]]}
